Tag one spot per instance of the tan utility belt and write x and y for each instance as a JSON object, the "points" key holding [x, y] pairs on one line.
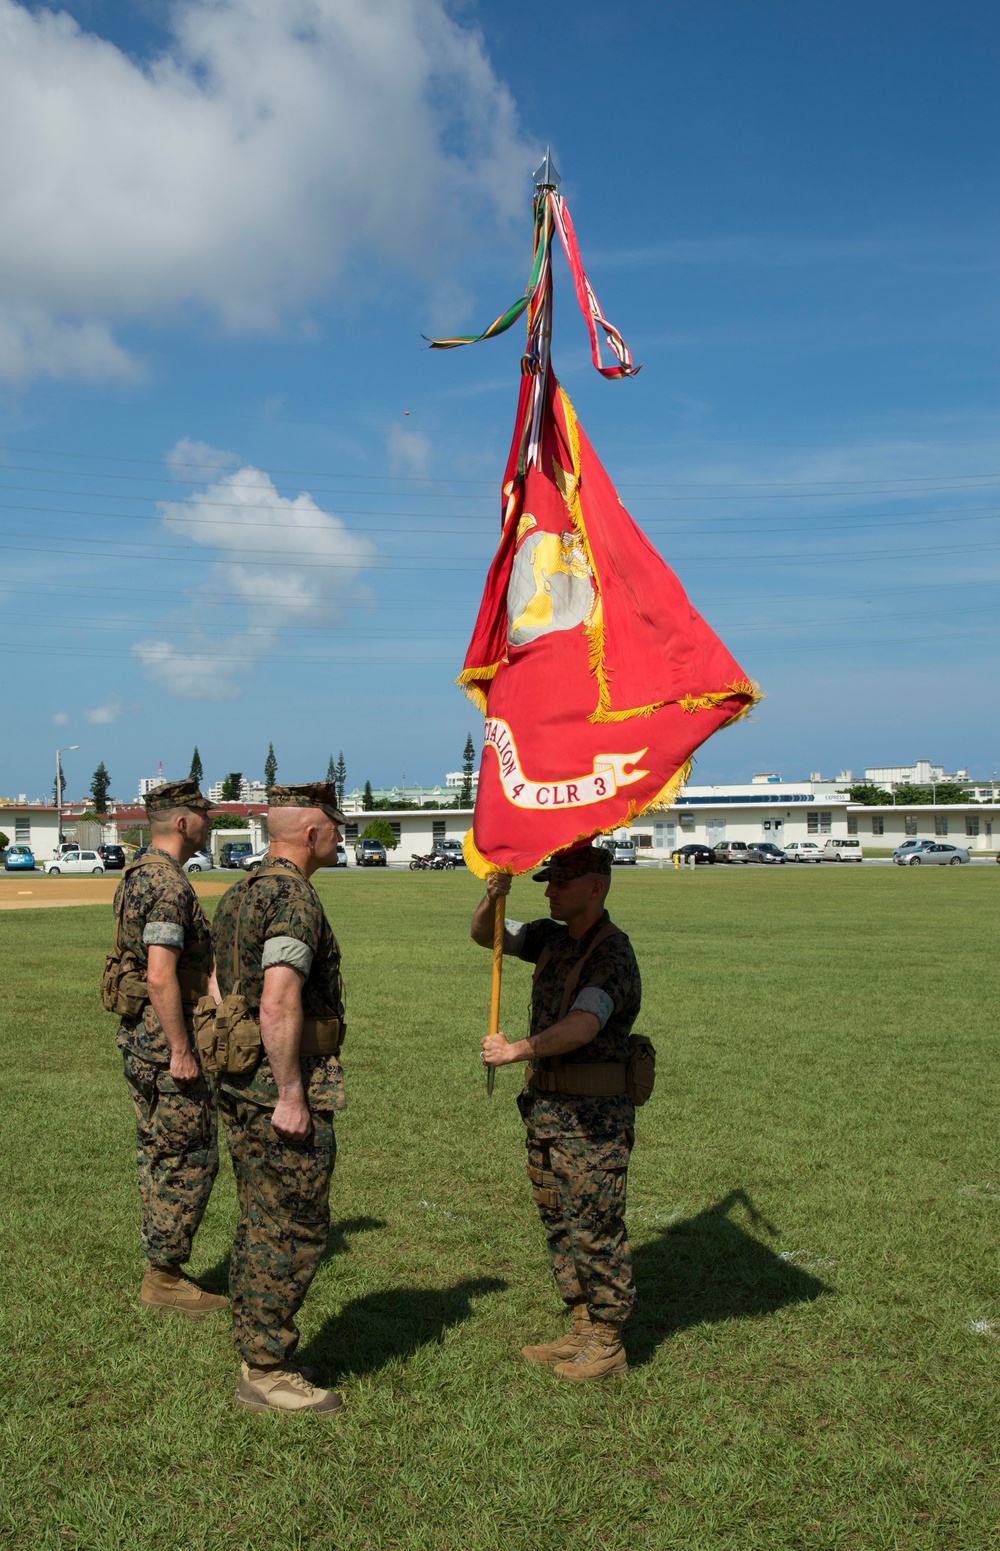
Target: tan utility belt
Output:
{"points": [[581, 1079], [229, 1040], [631, 1079]]}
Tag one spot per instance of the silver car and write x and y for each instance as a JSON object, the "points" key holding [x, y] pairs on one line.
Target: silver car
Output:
{"points": [[937, 854]]}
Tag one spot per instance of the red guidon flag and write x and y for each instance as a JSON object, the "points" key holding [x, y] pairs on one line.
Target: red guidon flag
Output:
{"points": [[597, 678]]}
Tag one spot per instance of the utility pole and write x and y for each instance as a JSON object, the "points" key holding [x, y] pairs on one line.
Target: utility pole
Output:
{"points": [[59, 788]]}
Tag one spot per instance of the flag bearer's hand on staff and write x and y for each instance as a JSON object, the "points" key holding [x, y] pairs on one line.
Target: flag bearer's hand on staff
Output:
{"points": [[498, 1050], [498, 884]]}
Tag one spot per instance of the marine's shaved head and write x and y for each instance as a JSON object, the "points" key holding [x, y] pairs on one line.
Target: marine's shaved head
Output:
{"points": [[289, 825], [163, 819]]}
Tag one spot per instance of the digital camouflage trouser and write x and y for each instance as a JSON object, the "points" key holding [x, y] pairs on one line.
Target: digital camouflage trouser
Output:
{"points": [[177, 1152], [579, 1186], [284, 1196]]}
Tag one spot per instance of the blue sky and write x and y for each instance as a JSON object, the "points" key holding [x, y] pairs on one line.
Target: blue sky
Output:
{"points": [[240, 502]]}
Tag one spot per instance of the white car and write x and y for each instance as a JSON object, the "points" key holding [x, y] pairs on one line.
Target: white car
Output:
{"points": [[803, 851], [201, 861], [253, 860], [843, 851], [76, 861]]}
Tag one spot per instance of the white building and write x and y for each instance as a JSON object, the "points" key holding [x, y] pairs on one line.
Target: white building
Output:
{"points": [[454, 779], [923, 773], [149, 784], [250, 791], [30, 824], [759, 810]]}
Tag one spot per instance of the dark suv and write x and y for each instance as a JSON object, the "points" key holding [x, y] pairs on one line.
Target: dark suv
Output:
{"points": [[233, 852], [370, 853], [113, 857], [451, 850]]}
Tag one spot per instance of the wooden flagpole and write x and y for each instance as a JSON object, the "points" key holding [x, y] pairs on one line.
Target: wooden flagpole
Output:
{"points": [[499, 912]]}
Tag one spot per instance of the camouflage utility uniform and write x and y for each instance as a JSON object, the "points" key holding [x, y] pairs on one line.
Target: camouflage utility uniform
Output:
{"points": [[579, 1148], [177, 1148], [283, 1186]]}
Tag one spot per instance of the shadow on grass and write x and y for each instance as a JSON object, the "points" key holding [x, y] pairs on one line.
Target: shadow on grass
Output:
{"points": [[707, 1269], [338, 1243], [370, 1332]]}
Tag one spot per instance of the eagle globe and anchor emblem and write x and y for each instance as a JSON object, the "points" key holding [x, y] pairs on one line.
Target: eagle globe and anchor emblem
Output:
{"points": [[552, 588]]}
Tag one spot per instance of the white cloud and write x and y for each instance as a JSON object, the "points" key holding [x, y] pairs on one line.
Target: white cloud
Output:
{"points": [[239, 171], [409, 451], [61, 719], [35, 343], [104, 715], [190, 462], [287, 560]]}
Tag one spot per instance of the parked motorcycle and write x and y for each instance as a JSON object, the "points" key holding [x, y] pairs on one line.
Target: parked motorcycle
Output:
{"points": [[431, 863]]}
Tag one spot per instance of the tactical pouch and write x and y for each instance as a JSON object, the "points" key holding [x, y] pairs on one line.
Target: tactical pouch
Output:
{"points": [[227, 1035], [322, 1036], [123, 984], [640, 1073], [544, 1187]]}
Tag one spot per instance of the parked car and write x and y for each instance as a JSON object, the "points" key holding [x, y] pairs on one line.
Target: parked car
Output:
{"points": [[843, 851], [731, 851], [701, 854], [65, 846], [909, 846], [341, 855], [19, 859], [233, 852], [766, 851], [451, 850], [76, 861], [113, 857], [370, 853], [803, 851], [936, 854], [253, 859], [201, 861]]}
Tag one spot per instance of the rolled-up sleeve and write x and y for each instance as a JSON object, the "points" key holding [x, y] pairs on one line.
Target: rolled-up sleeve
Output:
{"points": [[287, 950], [593, 1000], [514, 933], [162, 934]]}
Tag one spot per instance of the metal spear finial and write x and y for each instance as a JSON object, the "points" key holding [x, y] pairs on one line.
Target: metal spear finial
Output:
{"points": [[546, 175]]}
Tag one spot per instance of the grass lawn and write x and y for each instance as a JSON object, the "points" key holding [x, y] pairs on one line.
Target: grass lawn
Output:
{"points": [[814, 1212]]}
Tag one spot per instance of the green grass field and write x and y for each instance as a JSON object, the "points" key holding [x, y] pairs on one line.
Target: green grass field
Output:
{"points": [[814, 1205]]}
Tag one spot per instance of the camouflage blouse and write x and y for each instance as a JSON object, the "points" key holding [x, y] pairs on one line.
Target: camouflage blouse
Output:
{"points": [[610, 988], [159, 907], [281, 921]]}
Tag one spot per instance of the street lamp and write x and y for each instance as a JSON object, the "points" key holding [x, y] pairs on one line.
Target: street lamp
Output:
{"points": [[68, 750]]}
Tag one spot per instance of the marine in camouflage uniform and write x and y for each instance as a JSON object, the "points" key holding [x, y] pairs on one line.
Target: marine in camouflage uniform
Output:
{"points": [[579, 1144], [283, 1182], [177, 1153]]}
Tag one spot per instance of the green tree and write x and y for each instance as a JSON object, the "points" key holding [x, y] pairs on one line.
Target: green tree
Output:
{"points": [[468, 765], [331, 769], [100, 785], [196, 773], [231, 786], [368, 801], [4, 841], [340, 776], [380, 829], [871, 795], [270, 769], [923, 796], [228, 821]]}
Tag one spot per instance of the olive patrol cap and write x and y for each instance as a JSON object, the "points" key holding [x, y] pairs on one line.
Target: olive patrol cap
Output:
{"points": [[176, 794], [575, 864], [313, 794]]}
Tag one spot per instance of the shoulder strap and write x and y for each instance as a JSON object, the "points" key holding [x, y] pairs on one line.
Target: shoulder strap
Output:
{"points": [[133, 867], [609, 929], [259, 872]]}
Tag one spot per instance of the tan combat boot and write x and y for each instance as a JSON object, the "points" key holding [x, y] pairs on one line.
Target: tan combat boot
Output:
{"points": [[166, 1287], [284, 1389], [566, 1346], [603, 1357]]}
